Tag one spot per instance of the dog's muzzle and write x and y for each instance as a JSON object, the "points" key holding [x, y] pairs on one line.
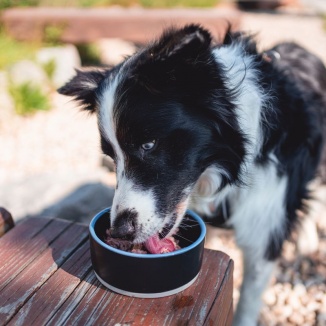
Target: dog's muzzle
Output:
{"points": [[124, 226]]}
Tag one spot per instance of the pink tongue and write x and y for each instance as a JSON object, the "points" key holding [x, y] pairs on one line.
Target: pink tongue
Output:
{"points": [[155, 245]]}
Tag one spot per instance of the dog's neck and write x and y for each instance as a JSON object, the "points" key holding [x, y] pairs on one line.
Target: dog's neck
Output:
{"points": [[242, 78]]}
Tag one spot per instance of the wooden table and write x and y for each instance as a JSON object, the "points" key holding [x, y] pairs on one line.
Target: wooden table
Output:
{"points": [[46, 278]]}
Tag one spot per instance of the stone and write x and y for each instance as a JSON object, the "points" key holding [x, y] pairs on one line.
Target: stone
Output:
{"points": [[299, 290], [114, 50], [294, 301], [296, 319], [27, 71], [7, 105], [65, 60], [308, 236], [270, 297]]}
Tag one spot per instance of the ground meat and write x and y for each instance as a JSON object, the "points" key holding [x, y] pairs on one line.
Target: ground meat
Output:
{"points": [[121, 244], [153, 245]]}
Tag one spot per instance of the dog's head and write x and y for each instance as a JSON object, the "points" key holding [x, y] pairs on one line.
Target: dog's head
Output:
{"points": [[164, 116]]}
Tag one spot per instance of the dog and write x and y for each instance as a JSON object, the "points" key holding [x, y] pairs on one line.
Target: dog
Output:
{"points": [[231, 132]]}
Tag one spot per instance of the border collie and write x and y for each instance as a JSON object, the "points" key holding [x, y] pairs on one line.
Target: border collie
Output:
{"points": [[233, 133]]}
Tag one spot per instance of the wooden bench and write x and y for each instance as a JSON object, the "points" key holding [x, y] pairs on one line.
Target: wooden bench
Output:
{"points": [[46, 278], [84, 25]]}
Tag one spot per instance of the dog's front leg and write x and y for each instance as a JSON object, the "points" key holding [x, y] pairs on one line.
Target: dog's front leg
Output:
{"points": [[257, 273]]}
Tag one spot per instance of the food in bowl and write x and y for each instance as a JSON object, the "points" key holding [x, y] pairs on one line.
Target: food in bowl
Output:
{"points": [[148, 275], [154, 245]]}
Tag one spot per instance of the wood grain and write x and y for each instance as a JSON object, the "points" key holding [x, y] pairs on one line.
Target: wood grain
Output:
{"points": [[190, 307], [18, 291], [52, 283], [53, 293], [28, 243]]}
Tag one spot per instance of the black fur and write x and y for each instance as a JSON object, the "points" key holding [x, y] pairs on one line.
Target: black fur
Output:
{"points": [[297, 129], [83, 86]]}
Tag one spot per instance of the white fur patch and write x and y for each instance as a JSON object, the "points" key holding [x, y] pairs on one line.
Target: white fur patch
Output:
{"points": [[128, 196], [243, 77], [106, 121], [205, 199], [258, 209], [258, 212]]}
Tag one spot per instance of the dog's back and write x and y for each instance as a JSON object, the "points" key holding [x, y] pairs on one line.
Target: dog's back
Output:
{"points": [[302, 84]]}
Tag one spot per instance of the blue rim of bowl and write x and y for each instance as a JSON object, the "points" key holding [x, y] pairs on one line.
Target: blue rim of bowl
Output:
{"points": [[149, 256]]}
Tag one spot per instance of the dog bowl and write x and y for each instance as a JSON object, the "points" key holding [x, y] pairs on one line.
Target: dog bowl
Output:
{"points": [[148, 275]]}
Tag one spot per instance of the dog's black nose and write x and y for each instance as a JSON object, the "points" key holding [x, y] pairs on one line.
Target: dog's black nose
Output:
{"points": [[124, 226]]}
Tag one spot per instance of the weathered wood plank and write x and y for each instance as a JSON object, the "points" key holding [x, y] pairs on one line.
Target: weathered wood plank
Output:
{"points": [[85, 289], [220, 309], [80, 25], [53, 293], [6, 221], [22, 287], [20, 251], [190, 307], [25, 230], [90, 307], [229, 319]]}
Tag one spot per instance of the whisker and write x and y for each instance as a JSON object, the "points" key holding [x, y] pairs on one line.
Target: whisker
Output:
{"points": [[188, 240], [187, 226]]}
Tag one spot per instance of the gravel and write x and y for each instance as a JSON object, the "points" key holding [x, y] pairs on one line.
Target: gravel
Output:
{"points": [[47, 157], [297, 292]]}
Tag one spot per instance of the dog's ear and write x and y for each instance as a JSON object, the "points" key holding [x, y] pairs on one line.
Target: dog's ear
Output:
{"points": [[247, 40], [83, 87], [185, 43]]}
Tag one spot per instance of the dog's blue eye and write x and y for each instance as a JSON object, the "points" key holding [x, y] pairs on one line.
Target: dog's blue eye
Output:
{"points": [[148, 146]]}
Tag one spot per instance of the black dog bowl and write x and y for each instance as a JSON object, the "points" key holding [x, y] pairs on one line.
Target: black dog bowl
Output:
{"points": [[148, 275]]}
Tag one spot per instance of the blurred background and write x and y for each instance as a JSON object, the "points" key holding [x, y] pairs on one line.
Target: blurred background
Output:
{"points": [[50, 159]]}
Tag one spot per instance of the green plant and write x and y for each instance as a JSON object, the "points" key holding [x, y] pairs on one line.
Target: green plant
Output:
{"points": [[52, 34], [13, 51], [28, 98], [15, 3], [49, 68], [100, 3], [178, 3], [89, 54]]}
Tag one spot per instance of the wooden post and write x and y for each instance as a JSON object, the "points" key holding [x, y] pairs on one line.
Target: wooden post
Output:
{"points": [[6, 221]]}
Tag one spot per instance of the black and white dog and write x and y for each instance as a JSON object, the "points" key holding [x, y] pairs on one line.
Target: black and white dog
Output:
{"points": [[221, 128]]}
